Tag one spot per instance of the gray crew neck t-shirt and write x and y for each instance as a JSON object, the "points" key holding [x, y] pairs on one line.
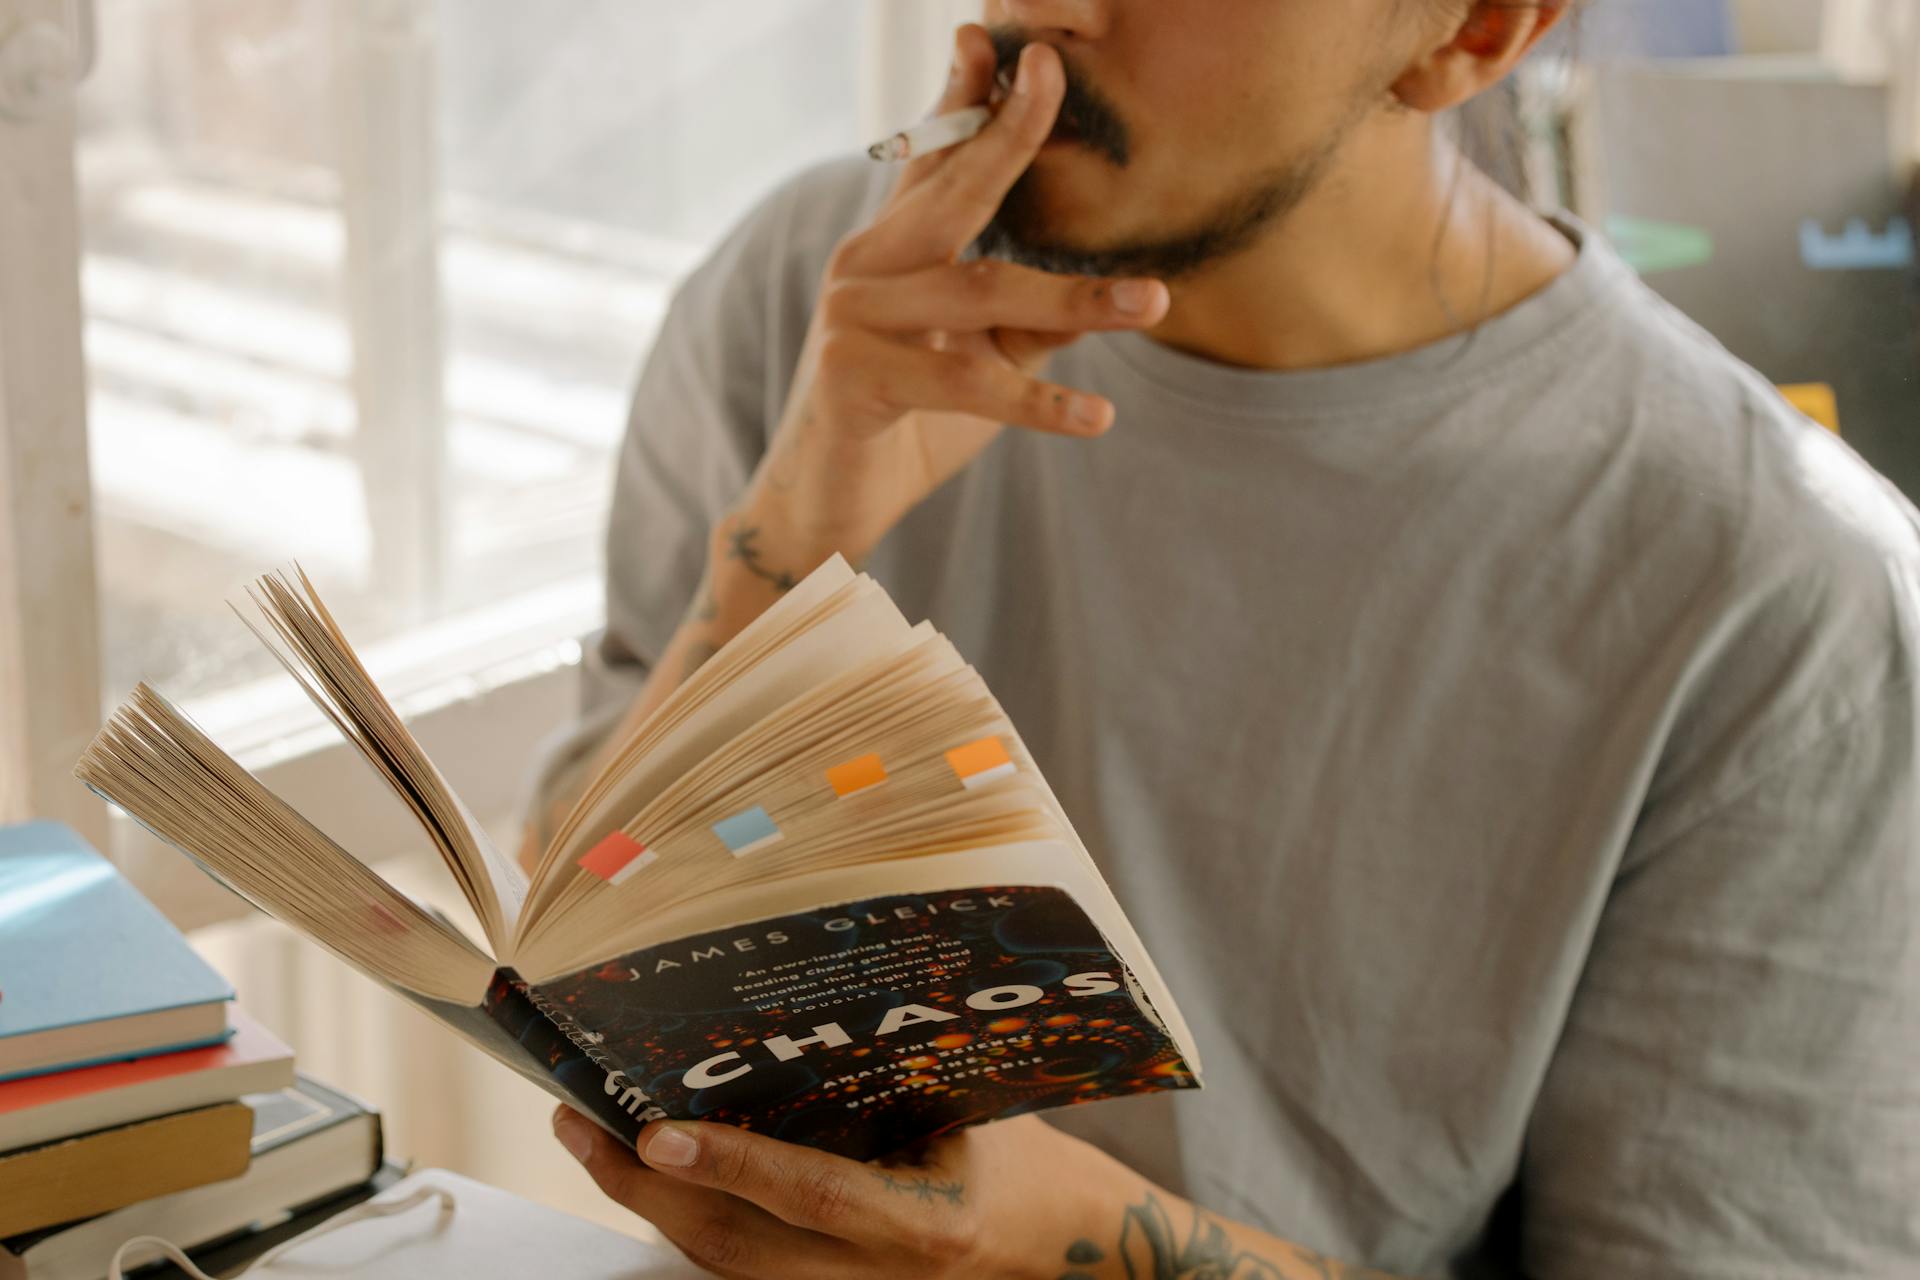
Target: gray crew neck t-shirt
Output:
{"points": [[1506, 751]]}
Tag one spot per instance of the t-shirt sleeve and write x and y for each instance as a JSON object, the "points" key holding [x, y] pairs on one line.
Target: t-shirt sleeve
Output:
{"points": [[1737, 1088]]}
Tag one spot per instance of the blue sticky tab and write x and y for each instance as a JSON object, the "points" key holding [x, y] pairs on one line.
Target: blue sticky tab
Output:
{"points": [[746, 831]]}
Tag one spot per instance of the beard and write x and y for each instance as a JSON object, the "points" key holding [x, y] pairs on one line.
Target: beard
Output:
{"points": [[1019, 232]]}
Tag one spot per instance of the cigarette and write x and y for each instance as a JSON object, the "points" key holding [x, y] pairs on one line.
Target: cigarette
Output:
{"points": [[929, 136]]}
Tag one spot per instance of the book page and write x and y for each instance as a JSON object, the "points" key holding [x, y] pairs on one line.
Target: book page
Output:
{"points": [[170, 777], [314, 651], [911, 709], [854, 624]]}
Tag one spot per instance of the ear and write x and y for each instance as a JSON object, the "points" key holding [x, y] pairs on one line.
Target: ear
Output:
{"points": [[1487, 43]]}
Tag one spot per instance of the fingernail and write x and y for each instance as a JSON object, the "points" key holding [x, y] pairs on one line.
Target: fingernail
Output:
{"points": [[1023, 74], [672, 1148], [1089, 411], [1133, 296], [573, 1135]]}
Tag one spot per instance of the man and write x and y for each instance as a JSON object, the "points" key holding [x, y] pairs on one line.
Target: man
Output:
{"points": [[1495, 710]]}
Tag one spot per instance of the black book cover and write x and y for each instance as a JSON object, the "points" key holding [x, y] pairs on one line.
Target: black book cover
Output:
{"points": [[859, 1028], [232, 1253]]}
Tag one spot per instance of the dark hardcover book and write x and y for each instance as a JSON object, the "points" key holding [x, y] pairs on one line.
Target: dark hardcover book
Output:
{"points": [[822, 893], [233, 1254]]}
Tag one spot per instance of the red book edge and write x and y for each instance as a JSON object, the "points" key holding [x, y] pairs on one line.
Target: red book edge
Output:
{"points": [[251, 1043]]}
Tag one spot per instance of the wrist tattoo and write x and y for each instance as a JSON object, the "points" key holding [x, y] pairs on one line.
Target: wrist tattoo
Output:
{"points": [[923, 1188], [1148, 1248], [740, 547]]}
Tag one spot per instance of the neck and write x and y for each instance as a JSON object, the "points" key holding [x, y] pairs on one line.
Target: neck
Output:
{"points": [[1402, 244]]}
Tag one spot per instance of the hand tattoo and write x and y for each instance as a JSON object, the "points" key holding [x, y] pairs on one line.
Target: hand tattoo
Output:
{"points": [[923, 1188]]}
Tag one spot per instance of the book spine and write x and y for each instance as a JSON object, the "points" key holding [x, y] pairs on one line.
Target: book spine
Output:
{"points": [[506, 1026], [575, 1056]]}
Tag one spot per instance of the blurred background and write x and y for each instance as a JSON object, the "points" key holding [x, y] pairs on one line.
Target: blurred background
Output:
{"points": [[365, 284]]}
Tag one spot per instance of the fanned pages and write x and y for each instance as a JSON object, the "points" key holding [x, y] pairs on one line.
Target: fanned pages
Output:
{"points": [[317, 655], [822, 891]]}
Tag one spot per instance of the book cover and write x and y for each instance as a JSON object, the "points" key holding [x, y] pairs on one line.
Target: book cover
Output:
{"points": [[81, 946], [94, 1173], [39, 1108], [863, 1027]]}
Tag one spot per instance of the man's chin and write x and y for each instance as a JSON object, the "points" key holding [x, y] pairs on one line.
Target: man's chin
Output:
{"points": [[1031, 230], [1041, 252]]}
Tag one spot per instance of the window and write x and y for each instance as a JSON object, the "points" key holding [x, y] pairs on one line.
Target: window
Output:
{"points": [[366, 286], [363, 284]]}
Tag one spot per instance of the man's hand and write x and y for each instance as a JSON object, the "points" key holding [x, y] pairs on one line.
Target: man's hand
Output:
{"points": [[991, 1201], [914, 359], [1015, 1198]]}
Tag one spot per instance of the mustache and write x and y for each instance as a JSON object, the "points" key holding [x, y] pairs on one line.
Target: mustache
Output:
{"points": [[1084, 111]]}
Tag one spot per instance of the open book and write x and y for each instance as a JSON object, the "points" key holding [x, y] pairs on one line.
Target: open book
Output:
{"points": [[822, 892]]}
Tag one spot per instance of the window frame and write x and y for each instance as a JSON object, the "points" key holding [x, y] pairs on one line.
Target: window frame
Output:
{"points": [[483, 691]]}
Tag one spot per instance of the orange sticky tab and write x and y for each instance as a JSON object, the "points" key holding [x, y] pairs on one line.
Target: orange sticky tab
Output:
{"points": [[980, 761], [856, 775], [1817, 401], [616, 858]]}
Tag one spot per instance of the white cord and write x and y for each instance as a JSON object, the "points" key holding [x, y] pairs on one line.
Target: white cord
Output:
{"points": [[359, 1213]]}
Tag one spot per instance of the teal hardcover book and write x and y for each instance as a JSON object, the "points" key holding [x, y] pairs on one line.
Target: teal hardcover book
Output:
{"points": [[90, 971]]}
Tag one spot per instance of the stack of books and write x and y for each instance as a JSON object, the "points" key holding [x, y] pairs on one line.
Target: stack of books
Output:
{"points": [[135, 1098]]}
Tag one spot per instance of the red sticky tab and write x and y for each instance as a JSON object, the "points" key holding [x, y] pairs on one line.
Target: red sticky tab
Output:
{"points": [[616, 857]]}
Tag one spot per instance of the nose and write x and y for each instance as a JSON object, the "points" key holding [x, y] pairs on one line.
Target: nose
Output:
{"points": [[1053, 19]]}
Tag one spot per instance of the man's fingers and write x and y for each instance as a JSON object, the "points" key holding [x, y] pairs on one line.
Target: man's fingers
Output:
{"points": [[723, 1233], [879, 381], [944, 214], [808, 1189], [611, 1166], [973, 297], [969, 84]]}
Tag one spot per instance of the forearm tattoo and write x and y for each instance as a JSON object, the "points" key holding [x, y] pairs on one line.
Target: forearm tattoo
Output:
{"points": [[740, 547], [1148, 1248]]}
